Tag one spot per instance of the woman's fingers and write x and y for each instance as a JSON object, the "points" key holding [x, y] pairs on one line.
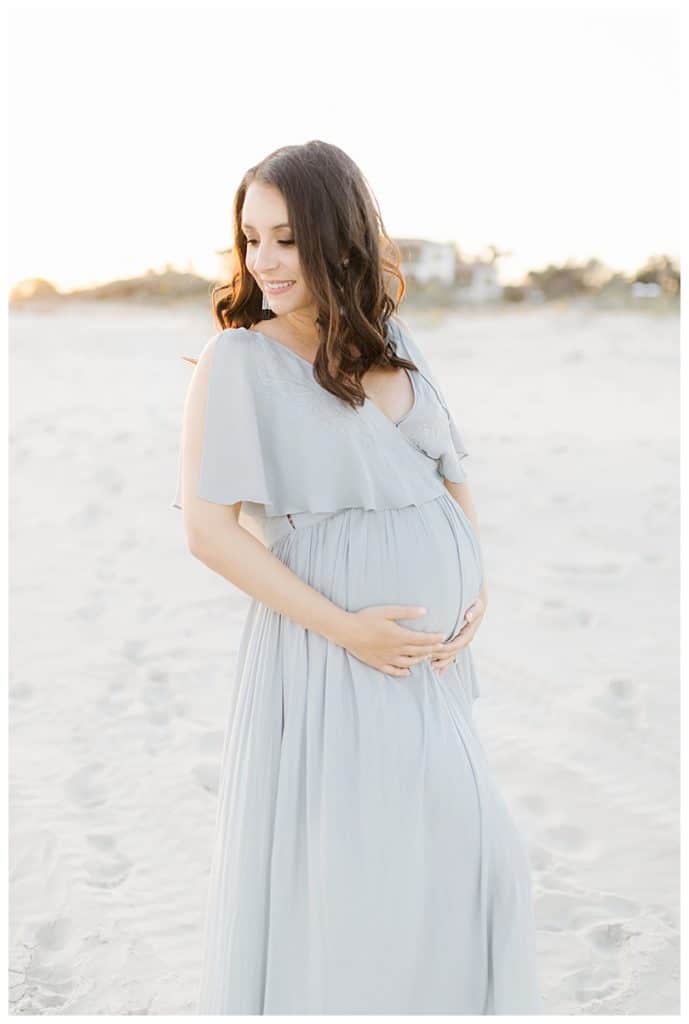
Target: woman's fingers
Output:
{"points": [[414, 655], [433, 647], [415, 638], [461, 640], [421, 649], [405, 661], [463, 637]]}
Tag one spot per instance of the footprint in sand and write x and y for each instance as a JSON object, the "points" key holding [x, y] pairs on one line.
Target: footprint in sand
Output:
{"points": [[21, 691], [110, 867], [621, 689], [133, 650], [590, 984], [41, 976], [85, 787], [603, 923], [610, 936], [54, 935], [619, 699]]}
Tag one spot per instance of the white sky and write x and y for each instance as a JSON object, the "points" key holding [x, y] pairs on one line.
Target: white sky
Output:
{"points": [[551, 133]]}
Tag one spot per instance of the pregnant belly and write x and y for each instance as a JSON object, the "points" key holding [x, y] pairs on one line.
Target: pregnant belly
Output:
{"points": [[426, 555]]}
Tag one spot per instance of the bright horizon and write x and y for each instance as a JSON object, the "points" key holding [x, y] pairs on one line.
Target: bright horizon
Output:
{"points": [[549, 133]]}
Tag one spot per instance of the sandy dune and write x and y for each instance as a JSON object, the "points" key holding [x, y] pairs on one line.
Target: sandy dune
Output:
{"points": [[123, 647]]}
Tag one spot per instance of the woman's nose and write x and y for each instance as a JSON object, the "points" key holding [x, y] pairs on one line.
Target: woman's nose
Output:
{"points": [[264, 260]]}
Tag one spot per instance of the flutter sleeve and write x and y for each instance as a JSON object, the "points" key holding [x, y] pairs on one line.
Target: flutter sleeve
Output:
{"points": [[451, 460], [452, 447], [233, 464]]}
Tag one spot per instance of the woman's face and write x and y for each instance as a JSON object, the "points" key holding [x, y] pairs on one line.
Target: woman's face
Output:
{"points": [[271, 255]]}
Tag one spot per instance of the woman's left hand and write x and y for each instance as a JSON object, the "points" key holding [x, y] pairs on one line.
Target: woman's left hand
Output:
{"points": [[474, 616]]}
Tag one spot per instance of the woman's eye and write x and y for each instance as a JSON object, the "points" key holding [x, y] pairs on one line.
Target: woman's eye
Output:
{"points": [[252, 241]]}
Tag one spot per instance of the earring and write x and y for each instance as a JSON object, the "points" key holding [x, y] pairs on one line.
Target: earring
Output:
{"points": [[265, 304]]}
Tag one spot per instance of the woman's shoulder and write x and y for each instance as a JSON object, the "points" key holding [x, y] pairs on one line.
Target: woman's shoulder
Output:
{"points": [[403, 334], [232, 339], [237, 337], [242, 344], [232, 344]]}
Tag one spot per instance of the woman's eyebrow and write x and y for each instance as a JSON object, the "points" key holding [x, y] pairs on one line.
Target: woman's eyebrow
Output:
{"points": [[274, 227]]}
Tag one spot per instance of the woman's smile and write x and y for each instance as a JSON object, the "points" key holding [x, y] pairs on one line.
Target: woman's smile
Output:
{"points": [[278, 286]]}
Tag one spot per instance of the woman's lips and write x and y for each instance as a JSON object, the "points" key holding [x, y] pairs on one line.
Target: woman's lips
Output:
{"points": [[278, 286]]}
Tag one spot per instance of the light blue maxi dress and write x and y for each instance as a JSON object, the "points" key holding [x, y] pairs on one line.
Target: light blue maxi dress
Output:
{"points": [[364, 860]]}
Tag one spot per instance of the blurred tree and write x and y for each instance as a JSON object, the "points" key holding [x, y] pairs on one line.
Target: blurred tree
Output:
{"points": [[32, 288], [571, 278], [556, 282], [595, 275], [661, 270]]}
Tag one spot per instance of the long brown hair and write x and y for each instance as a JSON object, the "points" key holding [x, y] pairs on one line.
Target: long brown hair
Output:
{"points": [[348, 260]]}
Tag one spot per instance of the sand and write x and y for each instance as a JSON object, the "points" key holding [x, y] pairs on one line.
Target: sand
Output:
{"points": [[123, 647]]}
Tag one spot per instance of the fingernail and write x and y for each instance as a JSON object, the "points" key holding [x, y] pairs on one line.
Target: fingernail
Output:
{"points": [[469, 616]]}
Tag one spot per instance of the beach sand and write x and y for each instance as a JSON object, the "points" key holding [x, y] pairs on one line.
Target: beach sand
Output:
{"points": [[123, 648]]}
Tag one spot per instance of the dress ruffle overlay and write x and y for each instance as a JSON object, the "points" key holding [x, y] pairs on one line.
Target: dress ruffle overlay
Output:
{"points": [[364, 860]]}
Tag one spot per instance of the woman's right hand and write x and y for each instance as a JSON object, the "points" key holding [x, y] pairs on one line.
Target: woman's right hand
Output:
{"points": [[373, 636]]}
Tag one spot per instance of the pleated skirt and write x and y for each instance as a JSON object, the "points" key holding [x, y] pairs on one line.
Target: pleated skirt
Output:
{"points": [[364, 859]]}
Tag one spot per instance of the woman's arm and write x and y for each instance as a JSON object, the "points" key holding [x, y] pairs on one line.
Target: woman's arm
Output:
{"points": [[230, 550], [215, 537]]}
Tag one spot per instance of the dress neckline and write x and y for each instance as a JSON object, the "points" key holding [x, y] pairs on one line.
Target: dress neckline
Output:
{"points": [[279, 344], [367, 400]]}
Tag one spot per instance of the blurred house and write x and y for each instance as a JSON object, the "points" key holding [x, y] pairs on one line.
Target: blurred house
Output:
{"points": [[424, 261], [646, 290], [472, 280], [477, 281]]}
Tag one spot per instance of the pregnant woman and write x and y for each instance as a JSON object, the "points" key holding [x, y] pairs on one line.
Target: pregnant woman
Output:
{"points": [[364, 859]]}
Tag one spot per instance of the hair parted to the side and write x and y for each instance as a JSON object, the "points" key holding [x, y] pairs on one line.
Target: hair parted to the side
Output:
{"points": [[348, 261]]}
